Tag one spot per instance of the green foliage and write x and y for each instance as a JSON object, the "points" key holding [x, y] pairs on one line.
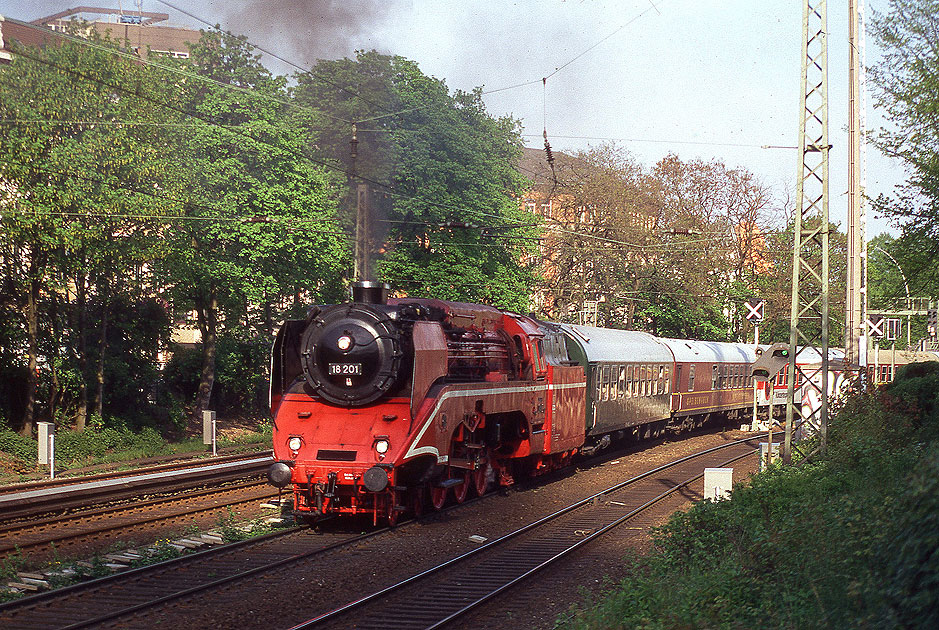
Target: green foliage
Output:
{"points": [[446, 160], [906, 83], [73, 449], [240, 377], [21, 448], [233, 531], [682, 316], [916, 391], [850, 541]]}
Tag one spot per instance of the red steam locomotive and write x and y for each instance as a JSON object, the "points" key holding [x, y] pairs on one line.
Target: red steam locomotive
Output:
{"points": [[385, 406]]}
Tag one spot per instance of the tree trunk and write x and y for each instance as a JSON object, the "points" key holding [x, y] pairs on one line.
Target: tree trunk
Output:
{"points": [[104, 291], [32, 333], [268, 318], [207, 314], [81, 413], [55, 395]]}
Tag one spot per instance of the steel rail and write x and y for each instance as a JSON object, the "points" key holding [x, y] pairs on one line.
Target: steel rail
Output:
{"points": [[377, 595], [141, 573], [31, 503], [589, 538], [115, 474], [7, 532]]}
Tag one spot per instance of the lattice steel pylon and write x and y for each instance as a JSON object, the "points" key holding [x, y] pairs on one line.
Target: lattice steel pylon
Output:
{"points": [[808, 418]]}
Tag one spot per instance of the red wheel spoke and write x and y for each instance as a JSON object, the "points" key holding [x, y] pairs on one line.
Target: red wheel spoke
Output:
{"points": [[438, 497], [480, 478], [461, 491]]}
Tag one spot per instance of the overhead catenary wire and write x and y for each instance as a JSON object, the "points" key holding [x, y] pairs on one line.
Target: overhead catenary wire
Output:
{"points": [[240, 130], [664, 141], [151, 216], [388, 187], [532, 81]]}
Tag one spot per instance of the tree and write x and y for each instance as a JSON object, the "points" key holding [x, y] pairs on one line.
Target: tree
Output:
{"points": [[907, 87], [674, 250], [257, 222], [442, 173], [67, 176]]}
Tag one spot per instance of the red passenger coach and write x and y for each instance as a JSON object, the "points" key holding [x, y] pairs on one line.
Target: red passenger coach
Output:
{"points": [[384, 406], [710, 378]]}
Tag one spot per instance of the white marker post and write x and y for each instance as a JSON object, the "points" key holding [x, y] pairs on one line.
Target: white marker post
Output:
{"points": [[208, 429], [46, 439], [52, 456]]}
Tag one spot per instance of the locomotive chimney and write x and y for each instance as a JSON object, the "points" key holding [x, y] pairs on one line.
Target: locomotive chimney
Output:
{"points": [[370, 292]]}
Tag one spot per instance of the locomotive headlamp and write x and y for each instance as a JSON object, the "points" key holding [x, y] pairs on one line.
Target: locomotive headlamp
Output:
{"points": [[381, 446], [294, 443], [344, 342]]}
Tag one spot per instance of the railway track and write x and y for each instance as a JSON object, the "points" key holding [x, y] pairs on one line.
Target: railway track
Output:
{"points": [[64, 533], [138, 593], [39, 520], [30, 501], [178, 464], [450, 590], [90, 604]]}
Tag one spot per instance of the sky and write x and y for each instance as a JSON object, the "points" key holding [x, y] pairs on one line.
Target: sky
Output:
{"points": [[708, 79]]}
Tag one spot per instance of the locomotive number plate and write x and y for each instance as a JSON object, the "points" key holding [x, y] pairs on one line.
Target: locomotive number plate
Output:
{"points": [[345, 369]]}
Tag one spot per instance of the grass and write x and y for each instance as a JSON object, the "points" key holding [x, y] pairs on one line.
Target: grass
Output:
{"points": [[106, 446], [849, 541]]}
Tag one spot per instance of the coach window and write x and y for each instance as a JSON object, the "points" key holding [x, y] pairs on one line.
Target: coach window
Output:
{"points": [[621, 383], [667, 380], [635, 380], [714, 377], [606, 382], [661, 379], [691, 377]]}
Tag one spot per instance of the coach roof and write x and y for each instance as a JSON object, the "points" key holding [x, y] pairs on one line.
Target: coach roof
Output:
{"points": [[618, 346]]}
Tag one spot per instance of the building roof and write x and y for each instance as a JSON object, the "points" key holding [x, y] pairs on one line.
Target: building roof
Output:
{"points": [[136, 28]]}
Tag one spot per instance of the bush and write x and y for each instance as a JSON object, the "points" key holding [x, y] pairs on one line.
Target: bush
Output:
{"points": [[849, 541], [915, 393], [23, 449], [75, 449]]}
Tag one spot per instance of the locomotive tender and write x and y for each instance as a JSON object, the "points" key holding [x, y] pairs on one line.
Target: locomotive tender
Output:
{"points": [[383, 406]]}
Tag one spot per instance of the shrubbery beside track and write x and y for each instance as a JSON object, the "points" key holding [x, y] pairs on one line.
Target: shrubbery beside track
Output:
{"points": [[851, 540]]}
